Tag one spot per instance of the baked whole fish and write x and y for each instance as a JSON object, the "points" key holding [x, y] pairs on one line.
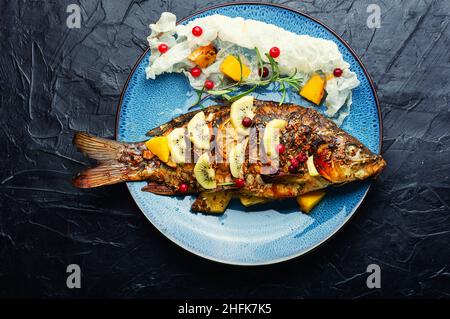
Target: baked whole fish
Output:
{"points": [[255, 150]]}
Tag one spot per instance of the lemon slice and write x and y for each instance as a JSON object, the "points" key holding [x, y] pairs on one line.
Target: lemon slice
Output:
{"points": [[199, 131], [177, 145], [271, 137], [236, 158], [240, 109], [204, 173]]}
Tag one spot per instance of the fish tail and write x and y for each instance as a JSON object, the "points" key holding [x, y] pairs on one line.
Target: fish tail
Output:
{"points": [[98, 148], [107, 173], [110, 169]]}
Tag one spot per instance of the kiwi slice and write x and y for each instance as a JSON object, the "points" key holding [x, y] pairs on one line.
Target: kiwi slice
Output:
{"points": [[204, 173], [198, 130], [240, 109], [177, 144], [271, 136], [236, 158]]}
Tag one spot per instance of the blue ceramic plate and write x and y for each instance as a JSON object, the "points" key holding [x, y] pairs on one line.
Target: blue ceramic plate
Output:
{"points": [[267, 233]]}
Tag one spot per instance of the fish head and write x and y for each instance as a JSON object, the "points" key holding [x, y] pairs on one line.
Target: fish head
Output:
{"points": [[346, 159]]}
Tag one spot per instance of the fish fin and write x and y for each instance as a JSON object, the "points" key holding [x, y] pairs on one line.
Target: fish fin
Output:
{"points": [[106, 173], [98, 148], [159, 189], [179, 121]]}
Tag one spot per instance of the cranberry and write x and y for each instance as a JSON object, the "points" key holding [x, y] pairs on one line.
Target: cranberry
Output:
{"points": [[301, 158], [292, 169], [247, 122], [162, 48], [195, 72], [239, 183], [264, 72], [209, 85], [280, 148], [274, 52], [183, 188], [295, 163], [337, 72], [197, 31]]}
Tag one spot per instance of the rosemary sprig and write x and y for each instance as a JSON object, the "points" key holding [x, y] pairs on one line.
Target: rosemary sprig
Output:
{"points": [[282, 82]]}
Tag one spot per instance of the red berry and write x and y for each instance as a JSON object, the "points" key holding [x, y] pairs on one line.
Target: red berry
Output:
{"points": [[183, 188], [292, 169], [247, 122], [195, 72], [280, 148], [239, 183], [197, 31], [163, 48], [301, 158], [264, 72], [295, 163], [337, 72], [209, 85], [274, 52]]}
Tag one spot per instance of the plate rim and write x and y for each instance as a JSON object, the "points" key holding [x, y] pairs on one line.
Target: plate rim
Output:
{"points": [[380, 142]]}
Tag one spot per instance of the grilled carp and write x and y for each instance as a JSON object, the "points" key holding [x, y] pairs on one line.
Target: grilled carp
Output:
{"points": [[307, 152]]}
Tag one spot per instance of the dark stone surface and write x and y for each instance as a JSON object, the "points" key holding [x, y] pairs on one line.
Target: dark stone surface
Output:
{"points": [[55, 80]]}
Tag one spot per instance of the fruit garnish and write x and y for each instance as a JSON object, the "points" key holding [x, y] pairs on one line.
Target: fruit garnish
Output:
{"points": [[195, 72], [198, 130], [197, 31], [337, 72], [209, 85], [162, 48], [301, 157], [314, 89], [247, 122], [159, 147], [239, 182], [203, 56], [239, 110], [271, 136], [309, 200], [252, 200], [292, 169], [263, 72], [204, 173], [236, 158], [177, 145], [183, 188], [311, 167], [234, 68], [274, 52], [295, 162], [280, 148]]}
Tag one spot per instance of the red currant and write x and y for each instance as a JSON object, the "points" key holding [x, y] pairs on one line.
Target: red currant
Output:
{"points": [[195, 72], [247, 122], [274, 52], [295, 163], [337, 72], [183, 188], [197, 31], [280, 148], [162, 48], [239, 183], [301, 158], [264, 72], [209, 85], [292, 169]]}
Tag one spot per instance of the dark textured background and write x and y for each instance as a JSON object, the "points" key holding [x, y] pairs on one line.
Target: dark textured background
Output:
{"points": [[55, 80]]}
